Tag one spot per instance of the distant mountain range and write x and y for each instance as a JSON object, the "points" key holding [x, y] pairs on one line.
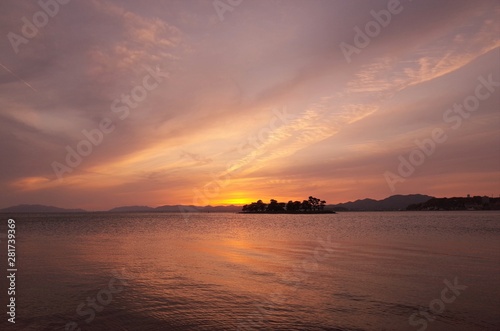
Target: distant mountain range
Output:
{"points": [[395, 202], [469, 203], [38, 209], [176, 209], [123, 209]]}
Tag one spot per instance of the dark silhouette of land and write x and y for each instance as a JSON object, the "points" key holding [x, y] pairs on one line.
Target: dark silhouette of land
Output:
{"points": [[469, 203], [413, 202], [311, 206], [39, 209], [394, 202]]}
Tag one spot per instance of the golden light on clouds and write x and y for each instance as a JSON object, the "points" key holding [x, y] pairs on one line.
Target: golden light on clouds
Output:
{"points": [[261, 105]]}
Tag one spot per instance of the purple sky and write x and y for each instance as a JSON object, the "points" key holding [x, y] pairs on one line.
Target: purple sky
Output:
{"points": [[220, 102]]}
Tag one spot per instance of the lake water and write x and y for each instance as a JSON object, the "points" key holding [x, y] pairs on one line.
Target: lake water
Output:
{"points": [[220, 271]]}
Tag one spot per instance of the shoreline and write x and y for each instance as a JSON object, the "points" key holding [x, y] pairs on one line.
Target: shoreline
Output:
{"points": [[284, 212]]}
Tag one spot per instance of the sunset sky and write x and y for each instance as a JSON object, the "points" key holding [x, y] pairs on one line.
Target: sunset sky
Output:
{"points": [[230, 101]]}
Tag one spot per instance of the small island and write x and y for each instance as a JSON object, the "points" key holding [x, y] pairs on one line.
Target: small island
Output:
{"points": [[311, 206]]}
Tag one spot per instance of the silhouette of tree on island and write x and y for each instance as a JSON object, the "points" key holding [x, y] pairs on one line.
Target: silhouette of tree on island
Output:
{"points": [[312, 205]]}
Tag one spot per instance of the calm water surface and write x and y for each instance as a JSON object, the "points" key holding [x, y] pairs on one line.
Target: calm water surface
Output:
{"points": [[349, 271]]}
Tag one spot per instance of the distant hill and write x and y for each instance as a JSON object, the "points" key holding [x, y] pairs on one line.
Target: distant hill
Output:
{"points": [[195, 209], [128, 209], [176, 209], [38, 209], [124, 209], [395, 202], [469, 203]]}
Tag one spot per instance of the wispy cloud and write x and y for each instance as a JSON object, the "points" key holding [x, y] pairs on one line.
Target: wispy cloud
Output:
{"points": [[224, 80]]}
